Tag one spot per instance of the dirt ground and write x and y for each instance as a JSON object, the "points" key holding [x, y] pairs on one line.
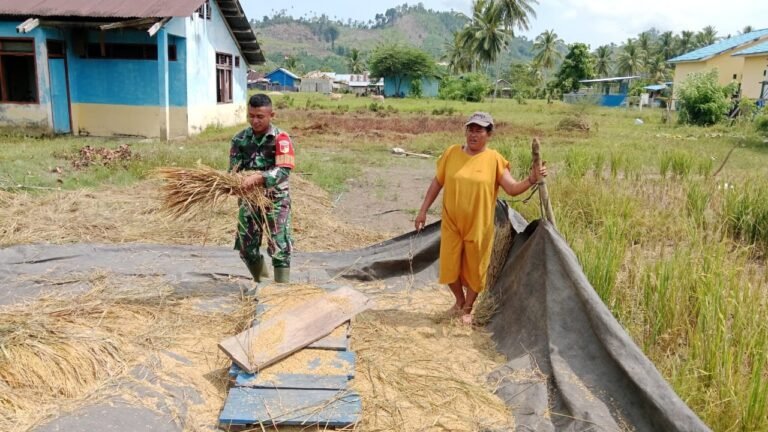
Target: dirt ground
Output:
{"points": [[386, 200]]}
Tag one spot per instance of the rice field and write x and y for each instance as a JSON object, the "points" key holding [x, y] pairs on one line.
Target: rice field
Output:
{"points": [[670, 222]]}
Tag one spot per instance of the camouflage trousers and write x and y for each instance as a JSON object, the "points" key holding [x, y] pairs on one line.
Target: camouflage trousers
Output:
{"points": [[279, 243]]}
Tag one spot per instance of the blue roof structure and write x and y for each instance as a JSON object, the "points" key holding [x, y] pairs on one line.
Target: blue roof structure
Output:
{"points": [[720, 47], [283, 70], [655, 87], [761, 48]]}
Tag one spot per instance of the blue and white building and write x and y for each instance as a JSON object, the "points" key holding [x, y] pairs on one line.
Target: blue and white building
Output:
{"points": [[152, 68]]}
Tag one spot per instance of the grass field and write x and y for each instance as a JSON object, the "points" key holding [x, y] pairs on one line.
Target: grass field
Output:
{"points": [[676, 252]]}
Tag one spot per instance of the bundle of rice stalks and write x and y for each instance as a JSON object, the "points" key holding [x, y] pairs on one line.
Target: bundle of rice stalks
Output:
{"points": [[190, 191], [486, 304]]}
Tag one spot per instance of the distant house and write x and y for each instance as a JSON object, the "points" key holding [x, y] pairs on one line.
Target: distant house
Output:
{"points": [[110, 68], [318, 82], [256, 80], [609, 92], [359, 84], [726, 57], [282, 79], [754, 82], [400, 86]]}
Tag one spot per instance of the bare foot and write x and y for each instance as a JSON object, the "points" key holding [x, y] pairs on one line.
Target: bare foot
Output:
{"points": [[466, 319], [455, 310]]}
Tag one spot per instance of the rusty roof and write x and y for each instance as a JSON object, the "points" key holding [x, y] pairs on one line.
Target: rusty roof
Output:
{"points": [[100, 8], [231, 10]]}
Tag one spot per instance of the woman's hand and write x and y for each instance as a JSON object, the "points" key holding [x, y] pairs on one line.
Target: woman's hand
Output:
{"points": [[534, 177], [253, 180], [421, 220]]}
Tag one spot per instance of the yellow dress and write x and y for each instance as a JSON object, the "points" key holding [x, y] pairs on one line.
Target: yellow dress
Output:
{"points": [[470, 186]]}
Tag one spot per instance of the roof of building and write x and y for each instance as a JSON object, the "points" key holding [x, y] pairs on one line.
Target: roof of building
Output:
{"points": [[285, 71], [609, 79], [231, 10], [720, 47], [101, 8], [761, 48], [320, 75], [655, 87]]}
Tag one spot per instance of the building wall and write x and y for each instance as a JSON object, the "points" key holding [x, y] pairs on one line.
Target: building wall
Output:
{"points": [[727, 66], [115, 97], [281, 78], [429, 87], [204, 39], [755, 68], [316, 85], [29, 114]]}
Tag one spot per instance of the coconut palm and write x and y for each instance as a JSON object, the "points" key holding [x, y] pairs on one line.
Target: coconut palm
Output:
{"points": [[603, 61], [485, 36], [657, 69], [545, 47], [516, 13], [686, 42], [666, 45], [645, 43], [630, 59], [459, 56], [707, 36], [355, 62]]}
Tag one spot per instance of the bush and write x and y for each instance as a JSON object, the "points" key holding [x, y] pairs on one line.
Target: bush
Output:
{"points": [[416, 90], [761, 124], [703, 101], [470, 87]]}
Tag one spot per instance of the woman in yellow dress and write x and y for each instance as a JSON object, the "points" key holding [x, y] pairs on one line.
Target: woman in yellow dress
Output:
{"points": [[471, 175]]}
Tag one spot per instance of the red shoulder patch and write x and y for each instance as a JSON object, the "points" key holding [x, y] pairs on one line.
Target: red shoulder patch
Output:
{"points": [[284, 154]]}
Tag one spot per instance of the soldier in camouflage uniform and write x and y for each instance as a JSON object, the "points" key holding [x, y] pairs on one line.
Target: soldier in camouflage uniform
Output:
{"points": [[267, 154]]}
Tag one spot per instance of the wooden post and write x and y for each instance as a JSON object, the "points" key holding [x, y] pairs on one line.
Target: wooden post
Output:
{"points": [[543, 194]]}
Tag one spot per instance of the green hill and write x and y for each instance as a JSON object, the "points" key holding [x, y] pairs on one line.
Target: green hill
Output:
{"points": [[308, 41]]}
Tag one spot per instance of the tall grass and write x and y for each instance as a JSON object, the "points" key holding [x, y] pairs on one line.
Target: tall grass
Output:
{"points": [[745, 211]]}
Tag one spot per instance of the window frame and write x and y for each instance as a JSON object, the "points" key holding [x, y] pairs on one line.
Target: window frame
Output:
{"points": [[224, 69], [4, 83]]}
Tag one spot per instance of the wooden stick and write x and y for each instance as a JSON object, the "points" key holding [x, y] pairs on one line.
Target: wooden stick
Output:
{"points": [[543, 194]]}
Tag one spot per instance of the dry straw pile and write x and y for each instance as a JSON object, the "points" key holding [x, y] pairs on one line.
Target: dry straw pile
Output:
{"points": [[188, 192], [62, 351]]}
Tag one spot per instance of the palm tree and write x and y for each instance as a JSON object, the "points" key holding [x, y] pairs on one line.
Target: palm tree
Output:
{"points": [[687, 42], [657, 68], [603, 60], [630, 60], [291, 63], [545, 47], [707, 36], [747, 29], [355, 62], [460, 59], [666, 45], [485, 36], [645, 43], [515, 13]]}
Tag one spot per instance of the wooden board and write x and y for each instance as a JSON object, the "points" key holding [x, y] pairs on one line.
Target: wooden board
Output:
{"points": [[338, 340], [294, 329], [316, 372], [258, 406]]}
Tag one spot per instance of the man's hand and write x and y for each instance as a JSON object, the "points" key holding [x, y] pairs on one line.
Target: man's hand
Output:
{"points": [[421, 220], [253, 180]]}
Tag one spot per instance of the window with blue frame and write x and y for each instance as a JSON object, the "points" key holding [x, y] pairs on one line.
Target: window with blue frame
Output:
{"points": [[18, 71]]}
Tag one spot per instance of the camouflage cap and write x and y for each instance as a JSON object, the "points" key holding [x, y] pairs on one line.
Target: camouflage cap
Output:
{"points": [[480, 118]]}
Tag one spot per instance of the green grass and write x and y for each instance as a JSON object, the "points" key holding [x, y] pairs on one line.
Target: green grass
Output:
{"points": [[677, 253]]}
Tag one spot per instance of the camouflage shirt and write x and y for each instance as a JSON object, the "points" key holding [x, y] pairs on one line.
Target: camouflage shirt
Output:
{"points": [[272, 154]]}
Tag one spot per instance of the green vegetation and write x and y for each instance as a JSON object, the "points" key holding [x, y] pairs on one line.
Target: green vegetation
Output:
{"points": [[401, 63], [676, 253], [703, 101], [469, 87]]}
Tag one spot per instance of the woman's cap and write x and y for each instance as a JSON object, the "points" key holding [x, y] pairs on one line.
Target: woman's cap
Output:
{"points": [[480, 118]]}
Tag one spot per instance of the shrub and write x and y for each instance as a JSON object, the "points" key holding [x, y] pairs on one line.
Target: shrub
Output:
{"points": [[469, 87], [703, 101], [761, 124], [416, 90]]}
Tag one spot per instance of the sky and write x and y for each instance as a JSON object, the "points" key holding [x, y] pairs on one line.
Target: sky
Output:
{"points": [[595, 22]]}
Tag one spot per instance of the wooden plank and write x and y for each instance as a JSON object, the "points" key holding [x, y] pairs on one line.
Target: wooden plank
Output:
{"points": [[338, 340], [294, 329], [309, 368], [293, 381], [267, 407]]}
